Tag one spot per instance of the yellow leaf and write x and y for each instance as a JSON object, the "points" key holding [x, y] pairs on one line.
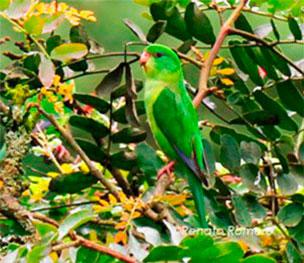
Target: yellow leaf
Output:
{"points": [[174, 199], [93, 235], [213, 71], [112, 199], [109, 238], [52, 174], [103, 202], [84, 168], [120, 237], [226, 81], [266, 240], [122, 197], [243, 245], [54, 256], [183, 210], [218, 61], [67, 168], [226, 71], [136, 214], [99, 208], [121, 225], [1, 184], [128, 206]]}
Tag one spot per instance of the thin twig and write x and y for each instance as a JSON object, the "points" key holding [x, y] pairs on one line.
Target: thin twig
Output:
{"points": [[86, 73], [104, 55]]}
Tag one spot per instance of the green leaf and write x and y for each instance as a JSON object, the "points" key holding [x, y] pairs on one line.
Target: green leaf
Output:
{"points": [[129, 135], [297, 171], [271, 106], [52, 42], [244, 62], [257, 117], [241, 212], [44, 228], [243, 24], [255, 209], [18, 8], [120, 114], [250, 152], [251, 177], [229, 152], [79, 66], [148, 161], [36, 254], [73, 221], [176, 25], [2, 143], [196, 247], [130, 97], [301, 152], [71, 183], [258, 259], [186, 46], [96, 128], [123, 160], [110, 81], [97, 103], [209, 158], [164, 253], [85, 255], [94, 152], [135, 29], [34, 25], [290, 96], [122, 90], [274, 29], [156, 31], [218, 131], [255, 53], [287, 183], [4, 4], [276, 61], [229, 252], [292, 253], [295, 28], [79, 35], [291, 214], [69, 51], [199, 24]]}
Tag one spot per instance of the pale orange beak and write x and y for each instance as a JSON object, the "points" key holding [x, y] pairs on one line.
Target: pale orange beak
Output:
{"points": [[145, 56]]}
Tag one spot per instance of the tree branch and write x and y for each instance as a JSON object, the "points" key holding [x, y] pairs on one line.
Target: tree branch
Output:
{"points": [[205, 71], [69, 138]]}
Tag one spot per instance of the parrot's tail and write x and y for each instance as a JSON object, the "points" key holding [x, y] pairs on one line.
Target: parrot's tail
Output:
{"points": [[198, 196]]}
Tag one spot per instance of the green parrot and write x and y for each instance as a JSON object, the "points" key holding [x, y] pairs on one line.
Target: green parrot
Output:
{"points": [[173, 119]]}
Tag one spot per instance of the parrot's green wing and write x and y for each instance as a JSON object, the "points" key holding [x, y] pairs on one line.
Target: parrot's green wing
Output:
{"points": [[177, 120]]}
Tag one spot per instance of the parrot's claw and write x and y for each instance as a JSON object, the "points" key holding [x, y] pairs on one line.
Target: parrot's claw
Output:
{"points": [[167, 169]]}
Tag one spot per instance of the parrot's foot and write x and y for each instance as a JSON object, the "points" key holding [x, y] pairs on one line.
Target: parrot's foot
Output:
{"points": [[168, 169]]}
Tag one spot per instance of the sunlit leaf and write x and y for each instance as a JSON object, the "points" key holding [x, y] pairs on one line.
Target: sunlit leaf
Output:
{"points": [[34, 25], [69, 51], [73, 221]]}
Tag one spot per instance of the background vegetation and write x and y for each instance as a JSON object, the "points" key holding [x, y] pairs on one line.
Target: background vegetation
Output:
{"points": [[78, 164]]}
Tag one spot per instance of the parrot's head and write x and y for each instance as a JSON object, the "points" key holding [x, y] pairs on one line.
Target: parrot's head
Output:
{"points": [[160, 62]]}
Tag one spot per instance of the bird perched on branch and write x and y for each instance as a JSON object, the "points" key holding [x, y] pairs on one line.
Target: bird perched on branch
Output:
{"points": [[173, 119]]}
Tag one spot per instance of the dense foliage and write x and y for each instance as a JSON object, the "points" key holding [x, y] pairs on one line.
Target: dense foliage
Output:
{"points": [[78, 170]]}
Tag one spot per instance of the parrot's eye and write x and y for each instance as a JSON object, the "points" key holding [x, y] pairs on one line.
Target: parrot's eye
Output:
{"points": [[158, 55]]}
